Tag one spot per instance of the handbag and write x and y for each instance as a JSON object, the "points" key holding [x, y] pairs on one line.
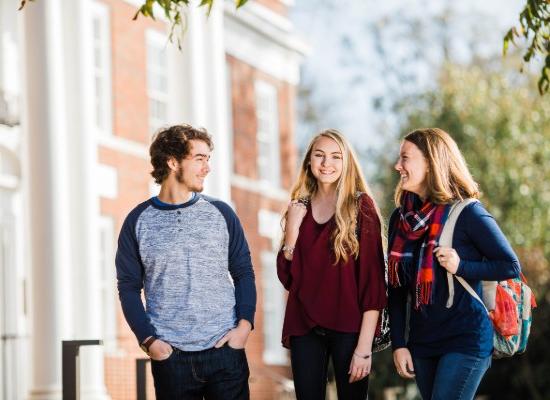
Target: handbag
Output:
{"points": [[382, 339]]}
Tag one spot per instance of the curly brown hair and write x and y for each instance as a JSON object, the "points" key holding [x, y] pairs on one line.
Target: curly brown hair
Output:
{"points": [[174, 142]]}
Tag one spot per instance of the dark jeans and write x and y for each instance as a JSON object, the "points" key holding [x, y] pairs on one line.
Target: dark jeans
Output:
{"points": [[453, 376], [310, 354], [213, 374]]}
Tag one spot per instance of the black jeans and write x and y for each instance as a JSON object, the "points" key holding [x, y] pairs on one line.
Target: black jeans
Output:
{"points": [[213, 374], [309, 356]]}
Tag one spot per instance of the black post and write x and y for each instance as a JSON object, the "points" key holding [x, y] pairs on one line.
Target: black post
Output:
{"points": [[141, 378], [69, 353]]}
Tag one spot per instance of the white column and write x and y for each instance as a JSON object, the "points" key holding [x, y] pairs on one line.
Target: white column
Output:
{"points": [[84, 201], [194, 54], [204, 59], [215, 87], [48, 203]]}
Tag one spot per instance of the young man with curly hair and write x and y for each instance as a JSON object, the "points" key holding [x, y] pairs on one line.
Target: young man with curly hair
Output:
{"points": [[188, 253]]}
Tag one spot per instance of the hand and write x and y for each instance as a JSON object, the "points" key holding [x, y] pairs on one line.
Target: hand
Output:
{"points": [[403, 363], [295, 214], [359, 368], [159, 350], [447, 258], [236, 338]]}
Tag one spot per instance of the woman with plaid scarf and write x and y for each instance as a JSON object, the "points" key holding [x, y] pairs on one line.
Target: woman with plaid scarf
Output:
{"points": [[449, 346]]}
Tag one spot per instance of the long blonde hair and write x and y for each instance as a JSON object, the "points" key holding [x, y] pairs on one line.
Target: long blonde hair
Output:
{"points": [[351, 181], [448, 178]]}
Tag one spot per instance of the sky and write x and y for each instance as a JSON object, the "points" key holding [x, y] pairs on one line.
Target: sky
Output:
{"points": [[365, 54]]}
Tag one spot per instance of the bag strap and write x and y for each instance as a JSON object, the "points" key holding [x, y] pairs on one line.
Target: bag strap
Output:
{"points": [[446, 240]]}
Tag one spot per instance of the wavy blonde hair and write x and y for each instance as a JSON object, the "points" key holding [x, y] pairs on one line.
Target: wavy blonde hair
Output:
{"points": [[351, 181], [448, 178]]}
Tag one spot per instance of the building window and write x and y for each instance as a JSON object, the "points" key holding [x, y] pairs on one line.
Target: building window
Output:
{"points": [[157, 79], [273, 292], [102, 68], [229, 99], [274, 310], [107, 282], [268, 133]]}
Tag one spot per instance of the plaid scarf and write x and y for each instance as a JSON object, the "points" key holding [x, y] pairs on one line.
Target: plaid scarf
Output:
{"points": [[416, 227]]}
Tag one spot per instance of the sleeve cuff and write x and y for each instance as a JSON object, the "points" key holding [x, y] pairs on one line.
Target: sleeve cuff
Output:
{"points": [[460, 269], [145, 333], [247, 313], [397, 346]]}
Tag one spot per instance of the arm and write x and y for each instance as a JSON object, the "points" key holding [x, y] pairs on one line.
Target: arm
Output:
{"points": [[500, 260], [242, 272], [397, 308], [397, 299], [130, 281], [371, 280], [371, 284], [361, 361], [283, 270], [295, 214]]}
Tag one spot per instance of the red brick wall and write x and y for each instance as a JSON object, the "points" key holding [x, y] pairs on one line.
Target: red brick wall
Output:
{"points": [[128, 58], [248, 203]]}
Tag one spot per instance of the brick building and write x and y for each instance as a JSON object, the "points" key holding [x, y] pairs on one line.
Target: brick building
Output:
{"points": [[82, 89]]}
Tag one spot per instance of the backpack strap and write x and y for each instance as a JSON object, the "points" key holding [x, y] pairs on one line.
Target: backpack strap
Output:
{"points": [[446, 240]]}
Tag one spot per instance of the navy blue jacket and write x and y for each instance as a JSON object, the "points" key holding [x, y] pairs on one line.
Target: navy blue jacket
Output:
{"points": [[485, 254]]}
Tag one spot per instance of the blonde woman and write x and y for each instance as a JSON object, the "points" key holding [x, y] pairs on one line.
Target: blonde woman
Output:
{"points": [[332, 264], [449, 346]]}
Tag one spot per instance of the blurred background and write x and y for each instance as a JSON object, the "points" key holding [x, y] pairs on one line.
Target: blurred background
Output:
{"points": [[83, 88]]}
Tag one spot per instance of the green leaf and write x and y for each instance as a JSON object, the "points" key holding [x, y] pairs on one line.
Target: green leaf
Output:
{"points": [[240, 3], [23, 2], [208, 3], [507, 39], [149, 7]]}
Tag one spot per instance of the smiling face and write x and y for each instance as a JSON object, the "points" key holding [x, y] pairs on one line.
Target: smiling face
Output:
{"points": [[413, 168], [326, 161], [194, 168]]}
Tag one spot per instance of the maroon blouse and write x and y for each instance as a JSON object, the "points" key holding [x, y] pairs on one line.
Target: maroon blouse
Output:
{"points": [[328, 295]]}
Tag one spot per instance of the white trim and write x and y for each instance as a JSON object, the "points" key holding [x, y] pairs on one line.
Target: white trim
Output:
{"points": [[9, 182], [273, 26], [264, 40], [135, 3], [267, 133], [269, 226], [107, 178], [154, 188], [260, 187], [157, 68], [262, 44], [107, 283], [267, 15], [100, 13], [273, 306], [229, 110], [125, 146], [10, 137]]}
